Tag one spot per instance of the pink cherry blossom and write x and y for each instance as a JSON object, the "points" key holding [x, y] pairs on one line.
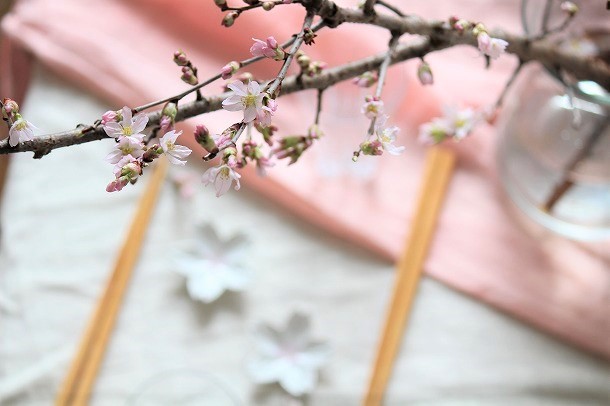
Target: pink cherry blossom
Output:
{"points": [[268, 111], [128, 166], [434, 131], [248, 98], [175, 153], [128, 126], [126, 146], [21, 130], [372, 108], [492, 47], [267, 49], [117, 184], [222, 177], [387, 136]]}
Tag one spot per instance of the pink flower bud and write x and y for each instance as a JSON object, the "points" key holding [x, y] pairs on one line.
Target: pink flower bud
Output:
{"points": [[229, 69], [203, 138], [109, 117], [272, 42], [371, 147], [117, 184], [180, 58], [166, 124], [10, 106], [188, 76]]}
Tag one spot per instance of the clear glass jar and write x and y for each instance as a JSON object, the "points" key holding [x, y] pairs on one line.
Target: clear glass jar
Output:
{"points": [[554, 154]]}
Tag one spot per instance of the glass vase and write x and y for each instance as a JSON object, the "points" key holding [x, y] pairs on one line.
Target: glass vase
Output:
{"points": [[554, 154]]}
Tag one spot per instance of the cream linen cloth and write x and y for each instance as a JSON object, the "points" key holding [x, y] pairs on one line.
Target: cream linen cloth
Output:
{"points": [[62, 232]]}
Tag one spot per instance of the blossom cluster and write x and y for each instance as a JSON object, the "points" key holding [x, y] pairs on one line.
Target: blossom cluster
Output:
{"points": [[455, 124], [131, 153]]}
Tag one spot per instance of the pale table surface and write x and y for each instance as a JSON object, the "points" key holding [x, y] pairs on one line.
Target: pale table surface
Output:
{"points": [[61, 231]]}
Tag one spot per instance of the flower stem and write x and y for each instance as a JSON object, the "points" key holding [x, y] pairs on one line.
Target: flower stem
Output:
{"points": [[567, 181]]}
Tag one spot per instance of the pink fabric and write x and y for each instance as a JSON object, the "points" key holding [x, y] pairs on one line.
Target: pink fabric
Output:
{"points": [[121, 50]]}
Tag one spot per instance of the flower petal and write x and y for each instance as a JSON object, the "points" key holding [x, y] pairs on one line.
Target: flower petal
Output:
{"points": [[205, 286], [298, 381]]}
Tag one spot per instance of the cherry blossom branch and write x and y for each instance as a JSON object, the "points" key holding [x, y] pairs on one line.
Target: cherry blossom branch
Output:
{"points": [[543, 51], [214, 78], [509, 83], [383, 69], [275, 85], [256, 5], [44, 144]]}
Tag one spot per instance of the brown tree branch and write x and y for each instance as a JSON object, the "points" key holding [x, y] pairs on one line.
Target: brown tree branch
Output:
{"points": [[44, 144]]}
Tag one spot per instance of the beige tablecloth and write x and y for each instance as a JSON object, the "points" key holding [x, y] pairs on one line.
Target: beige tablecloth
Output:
{"points": [[61, 231]]}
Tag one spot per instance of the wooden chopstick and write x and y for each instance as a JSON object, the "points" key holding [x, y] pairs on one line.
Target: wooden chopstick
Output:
{"points": [[77, 386], [438, 170]]}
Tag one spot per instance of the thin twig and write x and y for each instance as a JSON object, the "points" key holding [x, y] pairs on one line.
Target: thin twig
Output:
{"points": [[391, 7], [290, 56], [214, 78], [567, 181], [508, 84], [257, 5], [319, 106], [383, 71], [546, 15]]}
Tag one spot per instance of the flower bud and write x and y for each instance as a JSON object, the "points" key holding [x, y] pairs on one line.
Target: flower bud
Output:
{"points": [[117, 184], [170, 110], [309, 36], [221, 3], [272, 42], [109, 116], [569, 7], [229, 69], [268, 5], [303, 60], [188, 76], [10, 106], [152, 153], [478, 29], [371, 147], [230, 18], [180, 58], [424, 74], [461, 25], [203, 138], [131, 170], [367, 79], [314, 132], [251, 2]]}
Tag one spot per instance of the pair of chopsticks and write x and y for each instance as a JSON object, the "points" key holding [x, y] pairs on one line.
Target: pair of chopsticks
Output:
{"points": [[77, 386], [439, 167]]}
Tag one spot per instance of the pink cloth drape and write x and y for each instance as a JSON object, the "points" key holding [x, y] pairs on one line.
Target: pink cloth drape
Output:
{"points": [[121, 50]]}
